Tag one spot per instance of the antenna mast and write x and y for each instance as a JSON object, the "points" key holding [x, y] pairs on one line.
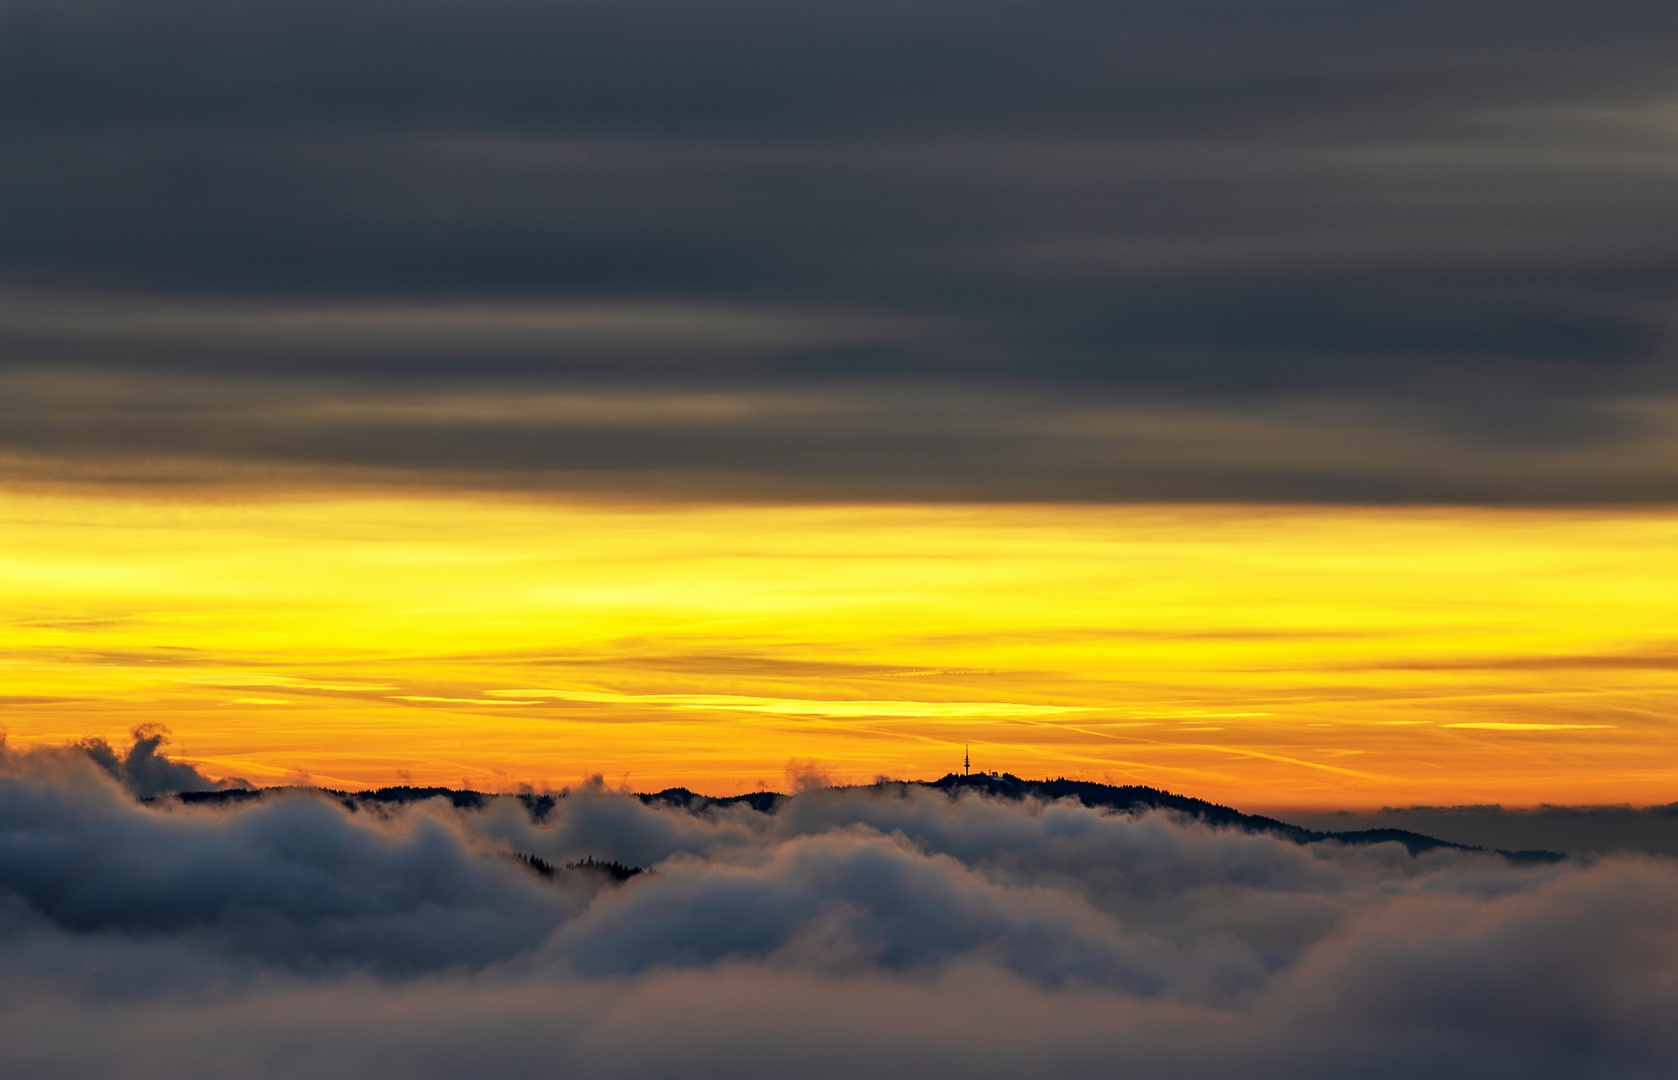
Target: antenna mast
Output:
{"points": [[966, 761]]}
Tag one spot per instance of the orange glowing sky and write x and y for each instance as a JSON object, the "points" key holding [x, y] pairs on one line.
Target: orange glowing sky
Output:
{"points": [[1268, 658], [1274, 409]]}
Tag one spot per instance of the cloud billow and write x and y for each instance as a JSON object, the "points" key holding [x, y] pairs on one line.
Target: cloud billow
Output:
{"points": [[985, 250], [144, 770], [849, 930]]}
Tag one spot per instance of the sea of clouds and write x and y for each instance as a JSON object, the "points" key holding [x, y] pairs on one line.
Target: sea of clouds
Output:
{"points": [[891, 930]]}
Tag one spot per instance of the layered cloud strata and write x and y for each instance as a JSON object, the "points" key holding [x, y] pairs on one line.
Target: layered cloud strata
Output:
{"points": [[1281, 251], [848, 931]]}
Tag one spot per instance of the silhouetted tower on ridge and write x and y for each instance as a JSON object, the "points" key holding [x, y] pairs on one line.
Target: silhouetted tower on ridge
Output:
{"points": [[966, 761]]}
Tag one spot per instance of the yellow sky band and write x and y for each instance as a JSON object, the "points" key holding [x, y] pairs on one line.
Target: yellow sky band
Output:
{"points": [[1268, 657]]}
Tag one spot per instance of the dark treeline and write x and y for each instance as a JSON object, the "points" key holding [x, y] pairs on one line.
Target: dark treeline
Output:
{"points": [[612, 869], [1128, 799]]}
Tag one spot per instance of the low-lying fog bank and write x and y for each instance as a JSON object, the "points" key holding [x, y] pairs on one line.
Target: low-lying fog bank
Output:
{"points": [[846, 932]]}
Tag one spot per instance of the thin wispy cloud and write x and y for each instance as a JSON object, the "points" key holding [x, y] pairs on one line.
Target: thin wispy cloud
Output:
{"points": [[800, 706]]}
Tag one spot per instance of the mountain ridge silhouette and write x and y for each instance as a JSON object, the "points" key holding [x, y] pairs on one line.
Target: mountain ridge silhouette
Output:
{"points": [[1127, 798]]}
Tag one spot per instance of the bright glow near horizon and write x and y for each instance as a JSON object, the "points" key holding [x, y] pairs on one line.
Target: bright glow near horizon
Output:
{"points": [[1262, 657]]}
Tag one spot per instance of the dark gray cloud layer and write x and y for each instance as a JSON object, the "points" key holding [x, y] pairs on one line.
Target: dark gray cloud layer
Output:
{"points": [[928, 249], [850, 932]]}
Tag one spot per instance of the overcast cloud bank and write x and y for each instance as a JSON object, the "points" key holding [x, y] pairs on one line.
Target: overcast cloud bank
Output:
{"points": [[849, 931], [1206, 249]]}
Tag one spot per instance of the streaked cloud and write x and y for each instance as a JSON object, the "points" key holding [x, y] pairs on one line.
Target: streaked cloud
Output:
{"points": [[805, 706], [1490, 725], [408, 330], [1139, 252]]}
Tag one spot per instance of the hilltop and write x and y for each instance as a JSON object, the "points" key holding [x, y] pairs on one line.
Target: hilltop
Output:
{"points": [[1128, 799]]}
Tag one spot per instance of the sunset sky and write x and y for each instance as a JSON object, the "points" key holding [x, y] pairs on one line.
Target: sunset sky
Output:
{"points": [[1279, 407], [434, 431], [1262, 655]]}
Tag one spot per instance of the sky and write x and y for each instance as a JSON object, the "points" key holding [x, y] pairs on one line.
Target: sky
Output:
{"points": [[1269, 401], [1274, 402]]}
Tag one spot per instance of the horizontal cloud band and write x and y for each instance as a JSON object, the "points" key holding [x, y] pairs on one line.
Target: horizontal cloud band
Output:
{"points": [[1199, 250]]}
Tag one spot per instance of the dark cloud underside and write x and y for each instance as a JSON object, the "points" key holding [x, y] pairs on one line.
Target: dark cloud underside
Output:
{"points": [[931, 250]]}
